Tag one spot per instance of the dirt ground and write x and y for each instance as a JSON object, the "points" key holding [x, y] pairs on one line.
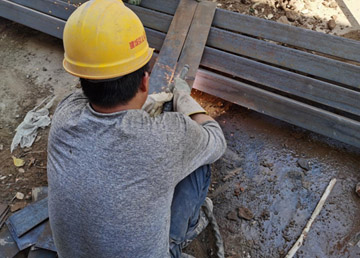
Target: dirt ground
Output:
{"points": [[260, 171], [337, 17]]}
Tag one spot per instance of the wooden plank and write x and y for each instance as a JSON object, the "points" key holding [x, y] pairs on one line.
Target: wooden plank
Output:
{"points": [[54, 8], [164, 68], [308, 39], [29, 217], [293, 112], [196, 39], [286, 57], [33, 19], [295, 84]]}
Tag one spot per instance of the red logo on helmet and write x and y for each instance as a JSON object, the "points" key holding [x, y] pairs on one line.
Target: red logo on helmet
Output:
{"points": [[138, 41]]}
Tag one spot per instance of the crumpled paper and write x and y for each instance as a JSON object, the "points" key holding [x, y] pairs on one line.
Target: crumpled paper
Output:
{"points": [[36, 118]]}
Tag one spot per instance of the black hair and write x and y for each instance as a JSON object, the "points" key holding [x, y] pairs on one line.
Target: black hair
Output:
{"points": [[110, 93]]}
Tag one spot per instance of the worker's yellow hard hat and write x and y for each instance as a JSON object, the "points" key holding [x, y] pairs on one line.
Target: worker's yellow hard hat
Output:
{"points": [[104, 39]]}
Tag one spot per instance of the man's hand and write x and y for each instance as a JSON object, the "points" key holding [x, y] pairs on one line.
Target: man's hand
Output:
{"points": [[154, 103], [183, 102]]}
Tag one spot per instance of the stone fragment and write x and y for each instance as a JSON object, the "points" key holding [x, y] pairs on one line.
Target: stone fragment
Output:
{"points": [[245, 213], [357, 189], [333, 5], [21, 170], [331, 24], [291, 16], [283, 20], [17, 206], [303, 163], [19, 196], [231, 216]]}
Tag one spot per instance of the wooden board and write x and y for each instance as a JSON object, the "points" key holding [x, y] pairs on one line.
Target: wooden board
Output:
{"points": [[29, 217], [196, 40], [293, 112], [164, 68]]}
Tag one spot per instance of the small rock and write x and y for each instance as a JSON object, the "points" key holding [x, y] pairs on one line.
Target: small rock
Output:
{"points": [[21, 170], [19, 196], [245, 213], [303, 163], [231, 216], [331, 24], [270, 16], [44, 69], [305, 11], [283, 20], [3, 177], [17, 206], [333, 5], [357, 189], [1, 147], [291, 16]]}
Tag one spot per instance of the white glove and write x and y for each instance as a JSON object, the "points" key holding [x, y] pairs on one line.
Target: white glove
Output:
{"points": [[154, 103], [183, 102]]}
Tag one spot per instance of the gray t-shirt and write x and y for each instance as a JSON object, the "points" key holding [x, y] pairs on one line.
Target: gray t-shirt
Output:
{"points": [[112, 177]]}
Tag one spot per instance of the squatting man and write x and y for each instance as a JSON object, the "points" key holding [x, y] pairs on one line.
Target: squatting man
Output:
{"points": [[125, 180]]}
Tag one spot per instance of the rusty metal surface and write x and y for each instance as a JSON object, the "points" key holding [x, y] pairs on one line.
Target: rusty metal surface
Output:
{"points": [[196, 39], [163, 70]]}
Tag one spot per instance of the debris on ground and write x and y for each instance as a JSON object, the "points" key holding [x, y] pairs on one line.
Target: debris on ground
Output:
{"points": [[36, 118], [19, 196], [316, 212], [232, 216], [17, 206], [304, 163], [245, 213], [357, 189], [18, 162]]}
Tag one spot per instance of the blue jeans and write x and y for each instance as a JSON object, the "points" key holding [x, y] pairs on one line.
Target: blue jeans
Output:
{"points": [[189, 195]]}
